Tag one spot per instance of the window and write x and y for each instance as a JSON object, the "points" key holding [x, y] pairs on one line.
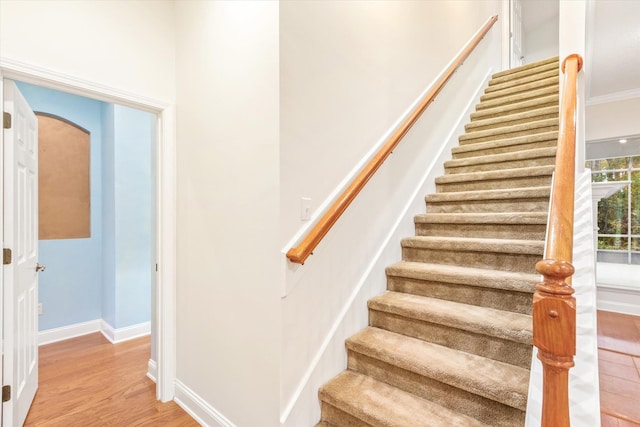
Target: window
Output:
{"points": [[618, 214]]}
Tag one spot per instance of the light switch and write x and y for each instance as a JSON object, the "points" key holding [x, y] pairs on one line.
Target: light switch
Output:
{"points": [[305, 208]]}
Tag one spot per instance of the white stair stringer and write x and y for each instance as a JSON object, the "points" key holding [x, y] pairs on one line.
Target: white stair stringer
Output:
{"points": [[584, 391]]}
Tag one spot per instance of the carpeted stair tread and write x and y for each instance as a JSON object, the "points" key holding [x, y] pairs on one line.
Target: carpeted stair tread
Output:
{"points": [[483, 218], [510, 91], [501, 158], [381, 405], [498, 381], [450, 342], [531, 68], [497, 194], [470, 149], [470, 244], [512, 119], [501, 174], [481, 320], [520, 129], [498, 84], [478, 277], [518, 97], [516, 107]]}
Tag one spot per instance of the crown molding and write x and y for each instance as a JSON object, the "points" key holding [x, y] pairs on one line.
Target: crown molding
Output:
{"points": [[612, 97]]}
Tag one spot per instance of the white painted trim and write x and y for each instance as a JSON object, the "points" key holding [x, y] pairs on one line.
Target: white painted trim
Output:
{"points": [[152, 370], [618, 300], [391, 236], [166, 200], [613, 97], [127, 333], [27, 73], [205, 414], [49, 336], [506, 34]]}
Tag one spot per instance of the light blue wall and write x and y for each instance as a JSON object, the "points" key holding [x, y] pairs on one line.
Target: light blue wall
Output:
{"points": [[108, 216], [133, 213], [109, 275]]}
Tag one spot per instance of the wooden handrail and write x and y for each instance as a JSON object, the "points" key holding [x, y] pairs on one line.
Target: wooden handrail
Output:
{"points": [[554, 307], [300, 253]]}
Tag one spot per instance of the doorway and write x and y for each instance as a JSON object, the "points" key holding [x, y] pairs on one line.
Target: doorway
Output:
{"points": [[163, 310]]}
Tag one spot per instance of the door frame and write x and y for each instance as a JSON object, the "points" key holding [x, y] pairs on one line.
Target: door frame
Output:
{"points": [[165, 149]]}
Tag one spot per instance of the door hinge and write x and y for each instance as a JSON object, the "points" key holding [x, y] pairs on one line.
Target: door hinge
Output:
{"points": [[6, 256], [6, 120], [6, 393]]}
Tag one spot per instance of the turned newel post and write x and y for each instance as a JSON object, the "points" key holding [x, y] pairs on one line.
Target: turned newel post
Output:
{"points": [[554, 307], [554, 334]]}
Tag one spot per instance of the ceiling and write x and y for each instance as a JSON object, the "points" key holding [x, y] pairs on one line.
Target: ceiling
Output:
{"points": [[613, 48], [612, 43]]}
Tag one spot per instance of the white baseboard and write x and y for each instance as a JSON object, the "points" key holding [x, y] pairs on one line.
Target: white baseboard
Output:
{"points": [[67, 332], [152, 370], [99, 325], [618, 299], [124, 334], [205, 414]]}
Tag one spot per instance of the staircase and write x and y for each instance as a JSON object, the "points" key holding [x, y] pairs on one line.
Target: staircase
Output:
{"points": [[449, 343]]}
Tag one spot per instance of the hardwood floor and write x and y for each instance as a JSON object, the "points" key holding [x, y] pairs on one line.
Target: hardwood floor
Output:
{"points": [[87, 381], [619, 364]]}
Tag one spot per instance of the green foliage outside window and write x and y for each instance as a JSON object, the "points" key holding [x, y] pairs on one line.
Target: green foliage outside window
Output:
{"points": [[619, 214]]}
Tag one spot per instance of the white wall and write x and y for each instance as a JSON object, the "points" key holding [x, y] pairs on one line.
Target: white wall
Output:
{"points": [[541, 42], [105, 42], [613, 119], [228, 318], [349, 70]]}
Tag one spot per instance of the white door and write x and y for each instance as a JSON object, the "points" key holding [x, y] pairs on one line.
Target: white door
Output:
{"points": [[515, 24], [21, 236]]}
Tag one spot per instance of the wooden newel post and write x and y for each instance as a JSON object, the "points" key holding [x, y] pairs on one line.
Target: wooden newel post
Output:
{"points": [[554, 307], [554, 334]]}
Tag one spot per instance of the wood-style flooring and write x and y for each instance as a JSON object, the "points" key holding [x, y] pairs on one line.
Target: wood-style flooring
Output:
{"points": [[87, 381], [619, 364]]}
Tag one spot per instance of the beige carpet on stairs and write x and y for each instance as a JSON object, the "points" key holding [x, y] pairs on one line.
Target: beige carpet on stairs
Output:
{"points": [[449, 343]]}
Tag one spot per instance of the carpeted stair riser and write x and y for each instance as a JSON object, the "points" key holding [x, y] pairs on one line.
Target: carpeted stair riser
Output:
{"points": [[490, 412], [505, 132], [521, 97], [499, 299], [449, 332], [534, 199], [449, 343], [513, 119], [516, 107], [505, 257], [499, 84], [525, 70], [504, 146], [519, 225], [511, 178], [500, 290], [516, 90], [369, 402], [494, 162], [492, 184], [335, 417], [484, 377], [528, 231]]}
